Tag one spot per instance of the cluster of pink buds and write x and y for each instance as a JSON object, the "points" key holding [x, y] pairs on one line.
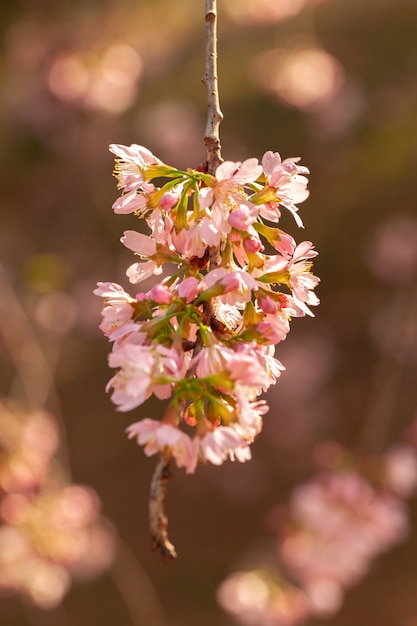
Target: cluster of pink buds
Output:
{"points": [[204, 336]]}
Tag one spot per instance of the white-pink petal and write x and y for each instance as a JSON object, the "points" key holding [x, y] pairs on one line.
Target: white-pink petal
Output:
{"points": [[226, 170], [270, 161], [222, 443], [157, 436], [248, 172], [134, 154], [138, 272], [129, 202], [113, 292], [138, 242]]}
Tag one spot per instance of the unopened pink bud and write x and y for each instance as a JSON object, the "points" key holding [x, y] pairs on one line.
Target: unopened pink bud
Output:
{"points": [[168, 200], [161, 294], [188, 289], [240, 218], [271, 333], [189, 416], [284, 244], [253, 245], [268, 304], [231, 282], [234, 237]]}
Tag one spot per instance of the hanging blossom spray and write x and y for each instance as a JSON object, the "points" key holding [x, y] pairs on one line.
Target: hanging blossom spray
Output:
{"points": [[204, 337]]}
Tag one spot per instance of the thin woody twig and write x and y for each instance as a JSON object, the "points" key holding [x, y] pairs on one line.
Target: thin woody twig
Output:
{"points": [[214, 116], [158, 521]]}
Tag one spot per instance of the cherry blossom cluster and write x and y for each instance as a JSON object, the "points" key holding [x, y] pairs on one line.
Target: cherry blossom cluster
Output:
{"points": [[339, 523], [333, 528], [50, 529], [204, 334]]}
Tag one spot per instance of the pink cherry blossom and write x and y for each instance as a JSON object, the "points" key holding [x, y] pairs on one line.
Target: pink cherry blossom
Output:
{"points": [[302, 281], [142, 372], [295, 272], [222, 443], [244, 368], [118, 310], [240, 366], [194, 240], [265, 368], [132, 385], [134, 153], [289, 182], [211, 360], [141, 271], [233, 281], [131, 331], [340, 524], [130, 163], [115, 317], [274, 328], [271, 365], [238, 173], [227, 314], [113, 294], [231, 177], [157, 436], [279, 172], [161, 228], [250, 414]]}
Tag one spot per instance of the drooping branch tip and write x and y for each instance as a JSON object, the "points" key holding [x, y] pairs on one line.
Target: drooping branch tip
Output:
{"points": [[158, 521]]}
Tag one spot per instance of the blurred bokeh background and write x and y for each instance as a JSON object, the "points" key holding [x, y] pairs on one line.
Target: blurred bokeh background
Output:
{"points": [[331, 81]]}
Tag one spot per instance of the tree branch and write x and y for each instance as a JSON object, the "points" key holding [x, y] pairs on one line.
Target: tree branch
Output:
{"points": [[158, 521], [214, 116]]}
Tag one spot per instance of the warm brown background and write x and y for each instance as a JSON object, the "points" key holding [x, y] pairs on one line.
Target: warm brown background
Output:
{"points": [[60, 107]]}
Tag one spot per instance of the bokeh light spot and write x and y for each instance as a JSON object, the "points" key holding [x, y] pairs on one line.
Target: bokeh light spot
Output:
{"points": [[45, 272], [68, 77], [305, 77], [263, 11]]}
